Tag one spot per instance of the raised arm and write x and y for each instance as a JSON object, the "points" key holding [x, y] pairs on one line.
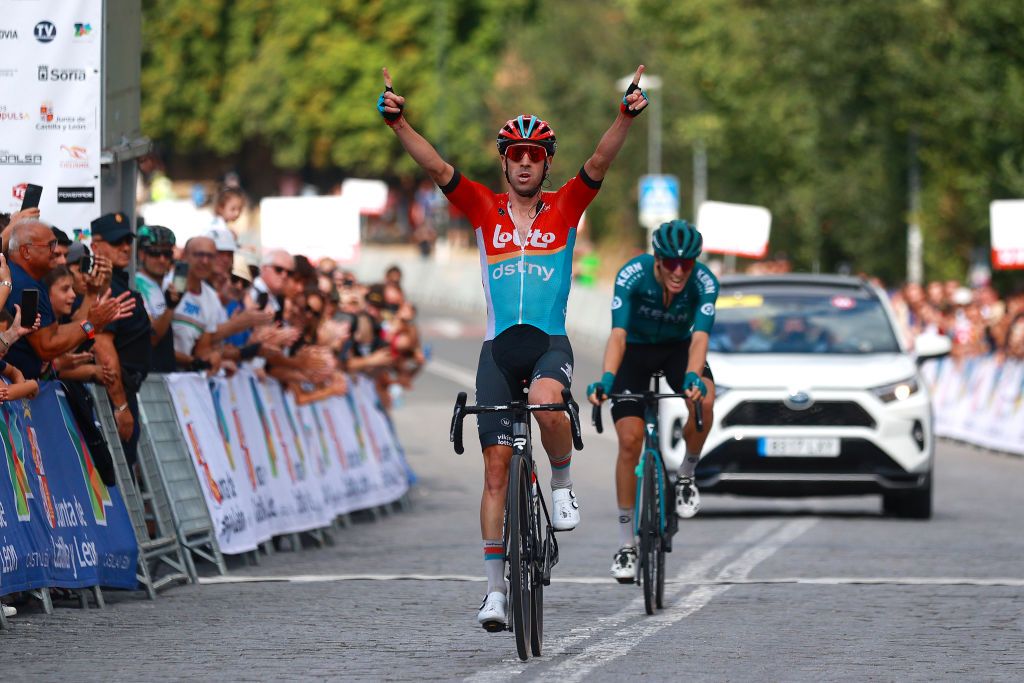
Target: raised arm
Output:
{"points": [[633, 102], [390, 105]]}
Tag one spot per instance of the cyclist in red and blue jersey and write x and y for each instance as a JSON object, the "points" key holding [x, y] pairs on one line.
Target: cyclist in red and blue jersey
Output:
{"points": [[663, 309], [526, 238]]}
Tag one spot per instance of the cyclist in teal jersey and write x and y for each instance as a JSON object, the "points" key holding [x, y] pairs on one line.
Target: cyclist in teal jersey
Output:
{"points": [[663, 309], [526, 238]]}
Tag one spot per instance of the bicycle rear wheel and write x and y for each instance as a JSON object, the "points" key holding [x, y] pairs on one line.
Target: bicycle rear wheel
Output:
{"points": [[519, 561], [650, 541]]}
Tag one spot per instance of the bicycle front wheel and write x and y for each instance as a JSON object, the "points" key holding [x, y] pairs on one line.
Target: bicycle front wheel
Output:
{"points": [[650, 537], [519, 556], [537, 556]]}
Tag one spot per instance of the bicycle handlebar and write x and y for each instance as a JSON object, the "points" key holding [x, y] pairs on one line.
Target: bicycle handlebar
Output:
{"points": [[462, 410], [596, 411]]}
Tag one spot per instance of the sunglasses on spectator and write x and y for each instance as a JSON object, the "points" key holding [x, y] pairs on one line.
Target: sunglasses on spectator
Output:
{"points": [[671, 264], [281, 270], [160, 253], [515, 153]]}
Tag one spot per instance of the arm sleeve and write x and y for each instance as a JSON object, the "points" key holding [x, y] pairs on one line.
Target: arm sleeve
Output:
{"points": [[469, 197], [575, 196], [707, 295]]}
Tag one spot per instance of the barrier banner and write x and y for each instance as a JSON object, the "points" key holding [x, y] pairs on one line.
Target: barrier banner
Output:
{"points": [[59, 524], [308, 510], [228, 501], [979, 401], [50, 118], [393, 471], [268, 466]]}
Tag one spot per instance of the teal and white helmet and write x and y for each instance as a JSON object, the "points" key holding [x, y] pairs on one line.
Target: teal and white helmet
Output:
{"points": [[677, 239]]}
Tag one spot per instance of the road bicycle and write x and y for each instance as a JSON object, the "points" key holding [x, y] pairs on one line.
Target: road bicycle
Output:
{"points": [[655, 517], [530, 547]]}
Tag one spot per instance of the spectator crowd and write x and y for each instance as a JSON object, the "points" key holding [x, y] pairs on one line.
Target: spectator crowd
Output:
{"points": [[978, 321], [196, 306]]}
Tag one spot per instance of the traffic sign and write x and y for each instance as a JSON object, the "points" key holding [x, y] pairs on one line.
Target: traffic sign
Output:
{"points": [[659, 200]]}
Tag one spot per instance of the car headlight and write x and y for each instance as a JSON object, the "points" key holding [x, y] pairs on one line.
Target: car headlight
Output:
{"points": [[897, 391]]}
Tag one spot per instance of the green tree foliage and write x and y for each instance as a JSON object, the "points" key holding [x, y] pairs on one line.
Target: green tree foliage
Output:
{"points": [[806, 107]]}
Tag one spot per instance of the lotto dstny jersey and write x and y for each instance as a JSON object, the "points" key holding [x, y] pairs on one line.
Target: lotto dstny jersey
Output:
{"points": [[526, 282], [638, 305]]}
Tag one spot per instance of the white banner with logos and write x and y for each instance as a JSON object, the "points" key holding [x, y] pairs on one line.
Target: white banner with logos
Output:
{"points": [[979, 401], [50, 98], [268, 466]]}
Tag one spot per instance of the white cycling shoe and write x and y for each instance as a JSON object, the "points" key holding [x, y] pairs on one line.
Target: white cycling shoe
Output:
{"points": [[624, 564], [493, 614], [687, 498], [9, 611], [565, 510]]}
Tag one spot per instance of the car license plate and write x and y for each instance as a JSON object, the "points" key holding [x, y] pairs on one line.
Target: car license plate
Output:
{"points": [[798, 447]]}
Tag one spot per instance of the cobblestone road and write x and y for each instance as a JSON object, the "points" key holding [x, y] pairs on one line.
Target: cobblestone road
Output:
{"points": [[803, 590]]}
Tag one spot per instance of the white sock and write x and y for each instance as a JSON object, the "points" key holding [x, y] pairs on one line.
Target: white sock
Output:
{"points": [[689, 465], [626, 527], [494, 565]]}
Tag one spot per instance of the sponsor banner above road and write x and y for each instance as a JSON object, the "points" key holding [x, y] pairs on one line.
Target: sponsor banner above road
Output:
{"points": [[50, 97]]}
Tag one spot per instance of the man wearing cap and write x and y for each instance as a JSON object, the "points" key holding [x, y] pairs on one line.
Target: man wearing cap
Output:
{"points": [[236, 330], [124, 346], [31, 244], [155, 259]]}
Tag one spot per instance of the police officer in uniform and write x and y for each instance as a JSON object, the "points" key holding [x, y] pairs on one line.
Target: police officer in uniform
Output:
{"points": [[124, 344]]}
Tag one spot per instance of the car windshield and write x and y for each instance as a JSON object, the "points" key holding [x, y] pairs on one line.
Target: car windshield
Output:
{"points": [[790, 319]]}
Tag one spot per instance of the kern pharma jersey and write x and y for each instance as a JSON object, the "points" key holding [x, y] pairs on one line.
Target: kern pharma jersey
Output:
{"points": [[525, 282], [639, 306]]}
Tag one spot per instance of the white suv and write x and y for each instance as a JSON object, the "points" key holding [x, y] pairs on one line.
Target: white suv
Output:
{"points": [[817, 395]]}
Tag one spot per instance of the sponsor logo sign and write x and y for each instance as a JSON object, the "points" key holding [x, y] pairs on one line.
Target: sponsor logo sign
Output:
{"points": [[83, 32], [7, 115], [76, 195], [20, 159], [74, 156], [45, 31], [536, 238], [60, 74], [8, 34], [18, 191], [49, 120]]}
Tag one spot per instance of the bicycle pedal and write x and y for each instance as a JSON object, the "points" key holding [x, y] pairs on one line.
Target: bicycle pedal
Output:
{"points": [[495, 627]]}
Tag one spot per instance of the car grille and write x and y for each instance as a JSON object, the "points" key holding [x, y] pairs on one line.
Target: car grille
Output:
{"points": [[819, 414]]}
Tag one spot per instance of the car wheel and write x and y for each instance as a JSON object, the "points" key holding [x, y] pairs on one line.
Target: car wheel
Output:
{"points": [[915, 504]]}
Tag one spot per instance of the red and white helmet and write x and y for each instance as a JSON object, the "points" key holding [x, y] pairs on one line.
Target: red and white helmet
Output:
{"points": [[526, 129]]}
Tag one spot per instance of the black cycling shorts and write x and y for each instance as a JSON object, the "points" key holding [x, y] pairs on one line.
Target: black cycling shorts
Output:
{"points": [[508, 365], [639, 363]]}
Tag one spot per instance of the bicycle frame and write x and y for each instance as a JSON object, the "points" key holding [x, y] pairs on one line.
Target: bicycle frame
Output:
{"points": [[530, 553]]}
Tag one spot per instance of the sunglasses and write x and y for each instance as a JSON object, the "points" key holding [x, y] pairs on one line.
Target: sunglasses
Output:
{"points": [[281, 270], [515, 153], [160, 253], [671, 264]]}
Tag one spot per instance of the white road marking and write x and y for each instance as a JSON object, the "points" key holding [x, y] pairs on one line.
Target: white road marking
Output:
{"points": [[607, 581], [694, 570], [620, 643]]}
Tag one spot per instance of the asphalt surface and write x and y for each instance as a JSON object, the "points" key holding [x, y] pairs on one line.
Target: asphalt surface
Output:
{"points": [[759, 590]]}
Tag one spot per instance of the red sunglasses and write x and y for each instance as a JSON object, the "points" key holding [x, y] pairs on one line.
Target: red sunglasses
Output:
{"points": [[670, 264], [515, 153]]}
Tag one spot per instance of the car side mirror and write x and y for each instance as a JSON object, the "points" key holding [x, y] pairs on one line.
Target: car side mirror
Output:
{"points": [[930, 345]]}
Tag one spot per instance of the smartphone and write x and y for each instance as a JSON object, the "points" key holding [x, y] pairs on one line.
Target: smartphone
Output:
{"points": [[29, 307], [85, 264], [262, 299], [32, 196], [180, 280]]}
